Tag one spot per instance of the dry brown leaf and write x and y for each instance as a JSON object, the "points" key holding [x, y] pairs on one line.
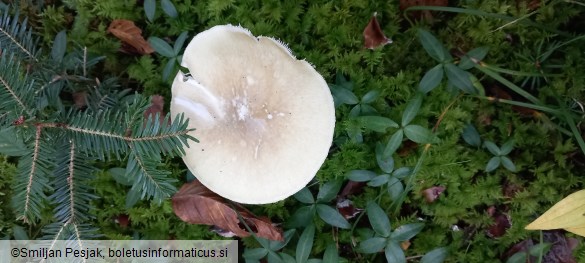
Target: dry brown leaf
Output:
{"points": [[501, 225], [196, 204], [373, 35], [352, 188], [346, 208], [131, 35], [157, 104], [80, 99]]}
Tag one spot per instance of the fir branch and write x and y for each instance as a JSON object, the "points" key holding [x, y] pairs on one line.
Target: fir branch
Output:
{"points": [[16, 37], [15, 89], [32, 180], [72, 194], [153, 182]]}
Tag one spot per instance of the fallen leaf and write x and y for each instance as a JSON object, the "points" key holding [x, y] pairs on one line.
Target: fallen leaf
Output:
{"points": [[346, 208], [431, 194], [427, 15], [222, 232], [131, 35], [196, 204], [352, 188], [373, 35], [157, 103], [80, 99], [567, 213], [501, 225]]}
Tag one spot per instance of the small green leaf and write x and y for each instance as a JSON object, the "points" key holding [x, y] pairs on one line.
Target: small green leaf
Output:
{"points": [[493, 164], [286, 258], [277, 245], [372, 245], [493, 148], [255, 253], [189, 176], [161, 47], [507, 147], [476, 54], [301, 217], [393, 143], [508, 164], [169, 69], [343, 82], [433, 47], [169, 8], [273, 257], [540, 248], [332, 216], [10, 143], [378, 219], [418, 134], [518, 257], [360, 175], [379, 180], [436, 255], [59, 46], [305, 196], [411, 109], [328, 191], [471, 136], [150, 9], [371, 96], [395, 188], [459, 78], [377, 123], [367, 110], [386, 163], [331, 255], [180, 42], [401, 172], [305, 243], [344, 96], [431, 79], [394, 253], [406, 232], [355, 111]]}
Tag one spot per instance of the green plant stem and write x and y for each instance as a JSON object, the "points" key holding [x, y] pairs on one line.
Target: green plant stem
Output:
{"points": [[483, 68], [540, 255], [519, 73], [522, 104]]}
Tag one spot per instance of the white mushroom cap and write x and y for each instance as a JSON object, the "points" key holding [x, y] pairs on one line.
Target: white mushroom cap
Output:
{"points": [[264, 119]]}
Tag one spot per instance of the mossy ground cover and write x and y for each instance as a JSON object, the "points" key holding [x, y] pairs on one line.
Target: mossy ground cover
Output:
{"points": [[538, 50]]}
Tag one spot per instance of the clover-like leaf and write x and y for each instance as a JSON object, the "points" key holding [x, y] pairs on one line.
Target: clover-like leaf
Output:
{"points": [[378, 219], [431, 79], [332, 216]]}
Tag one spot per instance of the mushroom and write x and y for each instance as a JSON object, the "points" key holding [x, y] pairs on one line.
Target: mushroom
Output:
{"points": [[264, 119]]}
